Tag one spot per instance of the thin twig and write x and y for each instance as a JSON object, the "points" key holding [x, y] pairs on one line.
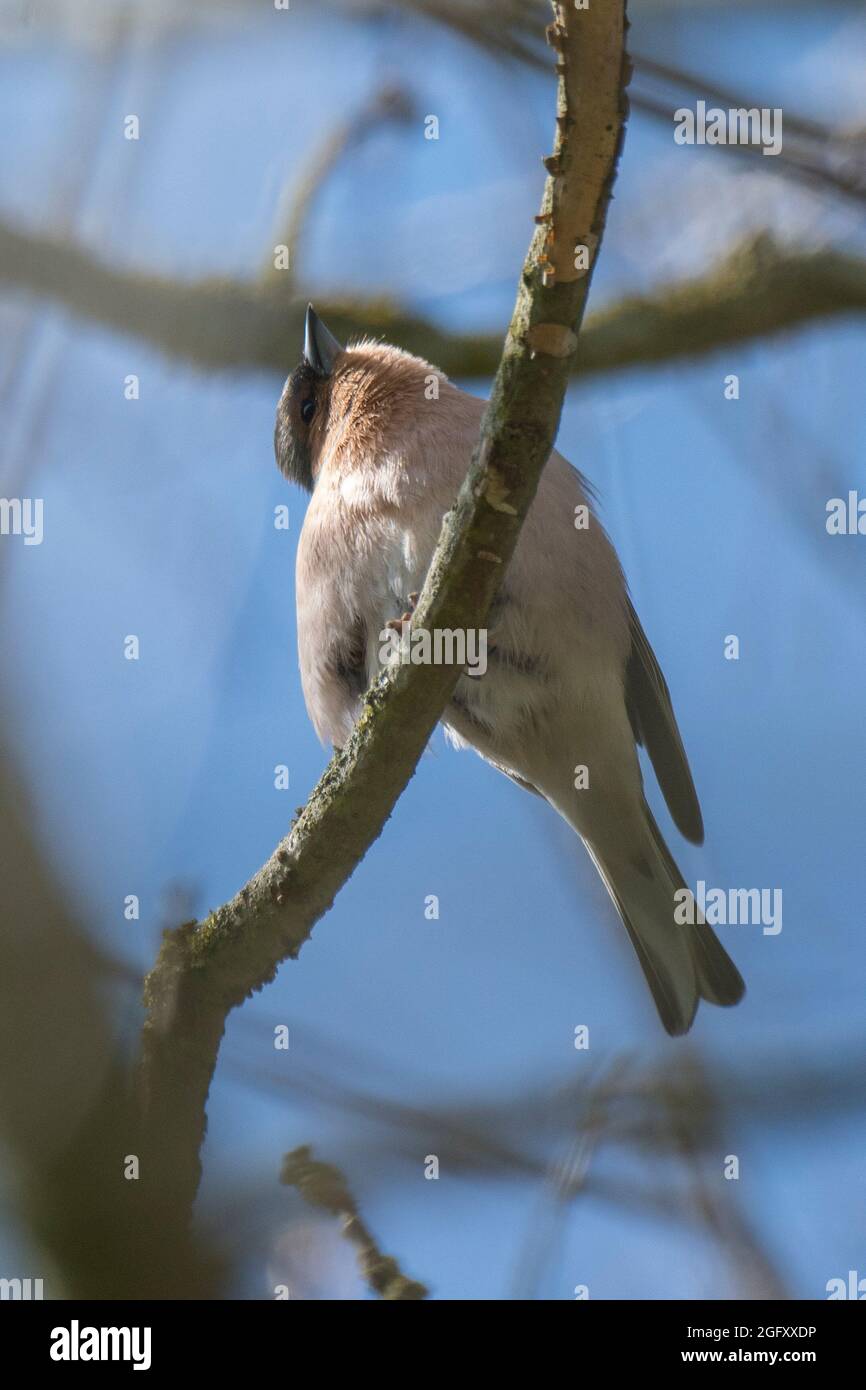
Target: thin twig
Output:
{"points": [[389, 103], [323, 1186]]}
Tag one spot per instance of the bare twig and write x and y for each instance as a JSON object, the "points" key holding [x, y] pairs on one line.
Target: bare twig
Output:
{"points": [[569, 1178], [322, 1185]]}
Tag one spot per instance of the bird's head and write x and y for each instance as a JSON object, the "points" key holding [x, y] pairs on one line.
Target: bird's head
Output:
{"points": [[347, 403], [304, 406]]}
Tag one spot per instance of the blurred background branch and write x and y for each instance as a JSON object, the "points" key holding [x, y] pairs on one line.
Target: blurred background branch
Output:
{"points": [[68, 1122], [758, 290], [390, 104]]}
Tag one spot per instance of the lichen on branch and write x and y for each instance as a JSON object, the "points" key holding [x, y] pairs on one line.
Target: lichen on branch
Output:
{"points": [[203, 971]]}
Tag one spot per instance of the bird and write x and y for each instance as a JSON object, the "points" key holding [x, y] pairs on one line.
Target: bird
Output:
{"points": [[382, 440]]}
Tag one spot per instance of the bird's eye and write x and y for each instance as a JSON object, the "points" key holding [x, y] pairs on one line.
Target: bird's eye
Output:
{"points": [[308, 410]]}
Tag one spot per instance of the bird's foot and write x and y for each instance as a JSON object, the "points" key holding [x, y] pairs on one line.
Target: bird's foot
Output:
{"points": [[396, 624]]}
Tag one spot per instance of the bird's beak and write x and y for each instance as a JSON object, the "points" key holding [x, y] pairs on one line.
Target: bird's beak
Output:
{"points": [[320, 345]]}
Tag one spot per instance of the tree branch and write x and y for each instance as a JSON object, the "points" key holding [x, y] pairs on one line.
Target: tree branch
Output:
{"points": [[758, 290], [322, 1185], [505, 28], [203, 971]]}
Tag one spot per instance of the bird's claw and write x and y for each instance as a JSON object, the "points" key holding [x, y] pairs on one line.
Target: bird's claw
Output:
{"points": [[396, 624]]}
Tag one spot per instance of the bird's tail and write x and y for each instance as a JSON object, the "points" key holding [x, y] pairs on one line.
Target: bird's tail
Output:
{"points": [[682, 962]]}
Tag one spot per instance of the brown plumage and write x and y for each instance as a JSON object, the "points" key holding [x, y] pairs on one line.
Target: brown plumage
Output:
{"points": [[571, 680]]}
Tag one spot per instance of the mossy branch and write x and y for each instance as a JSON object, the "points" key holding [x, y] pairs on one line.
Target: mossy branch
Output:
{"points": [[203, 971]]}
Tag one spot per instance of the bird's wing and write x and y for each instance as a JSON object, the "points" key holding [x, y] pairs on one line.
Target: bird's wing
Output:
{"points": [[652, 719]]}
